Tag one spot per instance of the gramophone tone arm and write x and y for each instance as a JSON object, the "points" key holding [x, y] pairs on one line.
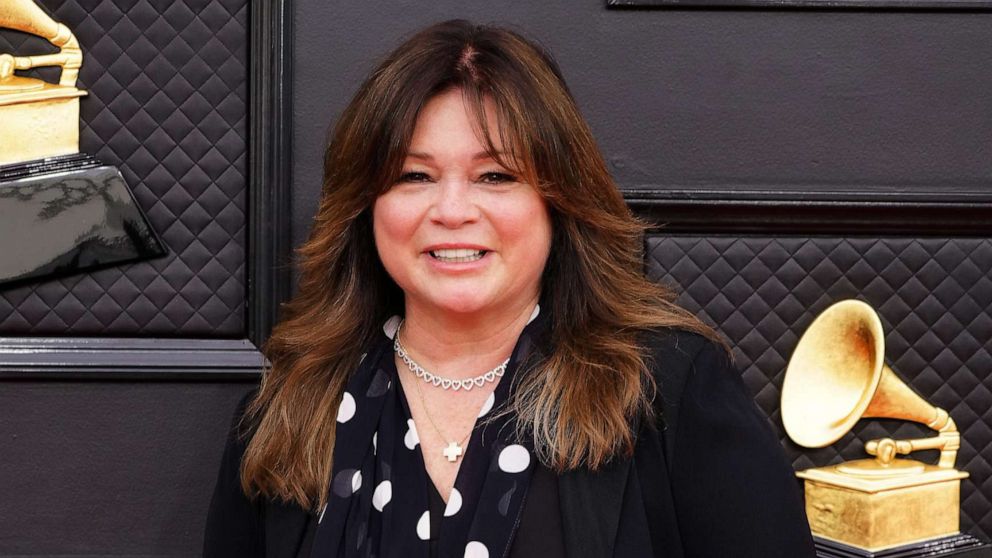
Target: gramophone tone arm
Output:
{"points": [[69, 57], [28, 62], [948, 442]]}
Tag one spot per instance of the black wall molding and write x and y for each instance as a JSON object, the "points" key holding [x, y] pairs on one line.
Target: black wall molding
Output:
{"points": [[270, 168], [929, 5], [723, 211], [129, 359], [268, 272]]}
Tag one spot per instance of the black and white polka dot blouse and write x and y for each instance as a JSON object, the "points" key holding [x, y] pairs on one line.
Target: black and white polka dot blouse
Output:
{"points": [[380, 495]]}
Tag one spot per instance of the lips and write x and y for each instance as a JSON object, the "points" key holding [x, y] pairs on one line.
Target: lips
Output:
{"points": [[457, 255]]}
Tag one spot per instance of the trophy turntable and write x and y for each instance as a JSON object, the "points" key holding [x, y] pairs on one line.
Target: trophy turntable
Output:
{"points": [[886, 505], [61, 211]]}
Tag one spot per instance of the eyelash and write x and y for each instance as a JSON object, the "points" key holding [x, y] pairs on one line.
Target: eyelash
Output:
{"points": [[413, 177], [493, 177], [499, 177]]}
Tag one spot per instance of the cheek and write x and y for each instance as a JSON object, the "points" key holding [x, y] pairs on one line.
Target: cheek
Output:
{"points": [[391, 230], [393, 217], [529, 225]]}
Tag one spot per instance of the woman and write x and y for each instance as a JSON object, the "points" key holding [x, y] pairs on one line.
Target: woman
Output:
{"points": [[474, 364]]}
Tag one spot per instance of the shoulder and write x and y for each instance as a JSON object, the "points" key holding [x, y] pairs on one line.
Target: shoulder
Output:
{"points": [[674, 355], [677, 347], [685, 367], [720, 447]]}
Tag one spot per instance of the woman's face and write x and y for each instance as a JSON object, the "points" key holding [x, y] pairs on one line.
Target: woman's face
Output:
{"points": [[459, 233]]}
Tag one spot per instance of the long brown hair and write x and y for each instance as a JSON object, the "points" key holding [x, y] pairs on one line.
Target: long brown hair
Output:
{"points": [[578, 401]]}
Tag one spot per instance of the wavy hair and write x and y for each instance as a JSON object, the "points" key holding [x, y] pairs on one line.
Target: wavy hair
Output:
{"points": [[578, 401]]}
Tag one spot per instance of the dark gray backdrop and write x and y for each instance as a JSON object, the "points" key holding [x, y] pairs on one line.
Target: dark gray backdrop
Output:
{"points": [[718, 100], [798, 100]]}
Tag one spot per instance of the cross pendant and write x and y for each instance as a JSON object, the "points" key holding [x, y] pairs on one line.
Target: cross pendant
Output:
{"points": [[452, 451]]}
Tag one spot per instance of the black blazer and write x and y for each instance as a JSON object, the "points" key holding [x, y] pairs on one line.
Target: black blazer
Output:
{"points": [[709, 480]]}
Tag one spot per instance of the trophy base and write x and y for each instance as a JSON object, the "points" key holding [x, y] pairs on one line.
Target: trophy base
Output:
{"points": [[64, 215], [955, 546], [877, 513], [36, 124]]}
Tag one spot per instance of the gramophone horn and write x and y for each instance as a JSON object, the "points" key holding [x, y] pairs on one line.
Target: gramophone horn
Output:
{"points": [[26, 16], [838, 375]]}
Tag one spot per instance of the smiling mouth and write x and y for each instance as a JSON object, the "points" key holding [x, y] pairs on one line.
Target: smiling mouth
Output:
{"points": [[458, 255]]}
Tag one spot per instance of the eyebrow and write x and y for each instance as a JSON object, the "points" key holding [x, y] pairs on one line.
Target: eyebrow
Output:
{"points": [[428, 157]]}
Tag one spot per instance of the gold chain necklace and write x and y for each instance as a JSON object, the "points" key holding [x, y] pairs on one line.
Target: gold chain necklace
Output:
{"points": [[454, 450]]}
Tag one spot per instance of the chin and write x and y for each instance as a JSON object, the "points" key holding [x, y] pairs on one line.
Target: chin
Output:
{"points": [[464, 302], [464, 306]]}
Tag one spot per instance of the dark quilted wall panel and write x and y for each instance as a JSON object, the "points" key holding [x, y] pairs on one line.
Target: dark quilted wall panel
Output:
{"points": [[167, 85], [935, 300]]}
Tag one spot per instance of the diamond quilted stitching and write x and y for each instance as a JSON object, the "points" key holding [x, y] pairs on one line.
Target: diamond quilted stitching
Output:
{"points": [[935, 300], [167, 85]]}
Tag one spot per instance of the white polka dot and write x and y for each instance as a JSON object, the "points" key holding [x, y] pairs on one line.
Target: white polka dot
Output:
{"points": [[391, 325], [424, 526], [343, 484], [476, 549], [411, 439], [454, 503], [346, 409], [488, 405], [356, 481], [375, 443], [535, 313], [514, 459], [382, 495]]}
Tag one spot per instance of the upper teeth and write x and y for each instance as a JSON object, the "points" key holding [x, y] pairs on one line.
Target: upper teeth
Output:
{"points": [[457, 254]]}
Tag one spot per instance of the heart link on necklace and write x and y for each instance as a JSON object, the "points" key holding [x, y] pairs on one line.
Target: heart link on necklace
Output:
{"points": [[442, 382]]}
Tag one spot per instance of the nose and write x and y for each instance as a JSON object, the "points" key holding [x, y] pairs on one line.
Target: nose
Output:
{"points": [[454, 205]]}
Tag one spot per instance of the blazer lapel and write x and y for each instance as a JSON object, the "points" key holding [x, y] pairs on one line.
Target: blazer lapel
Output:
{"points": [[590, 509]]}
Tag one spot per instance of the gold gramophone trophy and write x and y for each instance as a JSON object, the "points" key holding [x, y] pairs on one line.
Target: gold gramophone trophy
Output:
{"points": [[61, 211], [38, 119], [885, 505]]}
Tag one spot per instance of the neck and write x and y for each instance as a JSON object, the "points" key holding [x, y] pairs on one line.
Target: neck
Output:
{"points": [[463, 346]]}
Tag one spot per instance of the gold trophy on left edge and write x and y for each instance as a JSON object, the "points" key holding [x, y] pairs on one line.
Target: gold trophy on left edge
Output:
{"points": [[61, 211], [38, 119]]}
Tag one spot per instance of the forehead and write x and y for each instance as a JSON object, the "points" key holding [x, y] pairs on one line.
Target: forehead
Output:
{"points": [[448, 123], [451, 125]]}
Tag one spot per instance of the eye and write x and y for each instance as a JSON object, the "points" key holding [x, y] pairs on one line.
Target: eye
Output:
{"points": [[497, 178], [414, 177]]}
